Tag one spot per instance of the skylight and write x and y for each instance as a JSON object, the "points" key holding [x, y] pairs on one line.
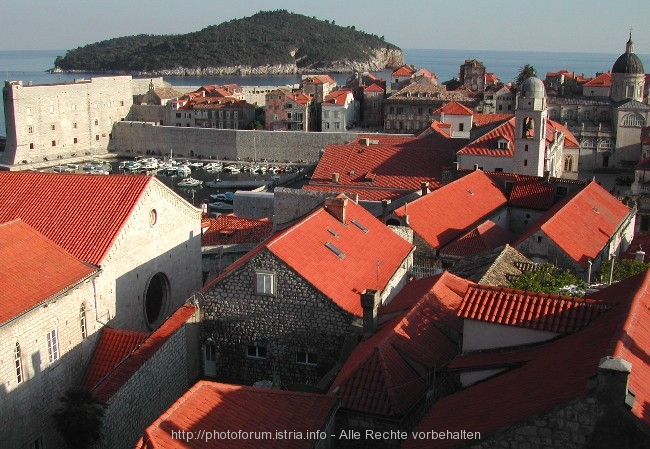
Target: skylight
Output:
{"points": [[360, 226], [333, 232], [335, 250]]}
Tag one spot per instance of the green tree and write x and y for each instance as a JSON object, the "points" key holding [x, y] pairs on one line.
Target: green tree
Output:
{"points": [[526, 71], [623, 269], [547, 278], [79, 419]]}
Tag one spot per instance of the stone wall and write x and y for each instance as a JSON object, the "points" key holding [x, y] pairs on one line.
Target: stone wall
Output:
{"points": [[297, 318], [155, 386], [131, 138], [26, 407]]}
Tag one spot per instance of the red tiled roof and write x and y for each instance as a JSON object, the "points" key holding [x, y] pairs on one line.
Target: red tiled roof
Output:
{"points": [[487, 144], [209, 407], [488, 119], [640, 242], [81, 213], [532, 192], [300, 98], [380, 376], [233, 230], [33, 269], [391, 166], [491, 78], [486, 236], [559, 370], [540, 311], [405, 70], [583, 224], [116, 378], [570, 140], [454, 108], [114, 345], [339, 97], [476, 192], [374, 87], [369, 259], [603, 80]]}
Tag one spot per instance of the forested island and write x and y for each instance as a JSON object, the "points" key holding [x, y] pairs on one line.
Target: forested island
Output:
{"points": [[266, 43]]}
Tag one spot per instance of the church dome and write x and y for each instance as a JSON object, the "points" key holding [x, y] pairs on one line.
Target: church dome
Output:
{"points": [[628, 63], [533, 88]]}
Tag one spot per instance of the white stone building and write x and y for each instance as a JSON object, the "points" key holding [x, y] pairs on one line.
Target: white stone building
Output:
{"points": [[340, 111]]}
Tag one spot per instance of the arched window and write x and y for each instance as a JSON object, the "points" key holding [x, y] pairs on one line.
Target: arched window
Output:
{"points": [[568, 163], [587, 143], [19, 363], [82, 321], [633, 119]]}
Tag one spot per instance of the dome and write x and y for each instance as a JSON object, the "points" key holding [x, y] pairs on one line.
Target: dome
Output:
{"points": [[533, 88], [628, 63]]}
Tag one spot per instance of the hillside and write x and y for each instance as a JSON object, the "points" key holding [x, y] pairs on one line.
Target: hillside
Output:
{"points": [[267, 42]]}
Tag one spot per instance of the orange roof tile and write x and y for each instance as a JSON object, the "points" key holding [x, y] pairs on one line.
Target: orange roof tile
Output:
{"points": [[374, 87], [209, 407], [231, 230], [339, 97], [114, 345], [454, 108], [487, 119], [405, 70], [603, 80], [486, 236], [640, 242], [583, 224], [478, 195], [487, 144], [381, 375], [81, 213], [560, 370], [540, 311], [370, 253], [116, 378], [33, 269]]}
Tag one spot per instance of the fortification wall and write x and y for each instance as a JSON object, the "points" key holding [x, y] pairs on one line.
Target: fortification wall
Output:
{"points": [[131, 138]]}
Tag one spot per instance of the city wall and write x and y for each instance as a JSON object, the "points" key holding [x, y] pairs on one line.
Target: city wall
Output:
{"points": [[133, 138]]}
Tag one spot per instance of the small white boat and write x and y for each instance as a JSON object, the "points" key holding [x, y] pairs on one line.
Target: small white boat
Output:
{"points": [[98, 172], [220, 205], [183, 170], [228, 196], [73, 166], [196, 165], [60, 168], [190, 182], [213, 166]]}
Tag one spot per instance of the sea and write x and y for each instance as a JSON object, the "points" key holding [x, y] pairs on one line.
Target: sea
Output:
{"points": [[33, 65]]}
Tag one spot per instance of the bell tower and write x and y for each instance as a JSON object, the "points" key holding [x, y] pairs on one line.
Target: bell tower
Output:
{"points": [[530, 129]]}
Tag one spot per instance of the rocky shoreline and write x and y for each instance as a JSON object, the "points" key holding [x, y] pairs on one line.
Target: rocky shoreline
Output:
{"points": [[381, 59]]}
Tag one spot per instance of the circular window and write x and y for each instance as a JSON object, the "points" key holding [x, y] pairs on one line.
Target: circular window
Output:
{"points": [[153, 217], [156, 298]]}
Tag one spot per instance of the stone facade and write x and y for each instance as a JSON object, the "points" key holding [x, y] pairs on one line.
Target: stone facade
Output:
{"points": [[297, 319], [157, 384], [169, 249], [26, 407]]}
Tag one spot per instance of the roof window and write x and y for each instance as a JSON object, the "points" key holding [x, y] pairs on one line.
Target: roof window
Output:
{"points": [[360, 226], [335, 250]]}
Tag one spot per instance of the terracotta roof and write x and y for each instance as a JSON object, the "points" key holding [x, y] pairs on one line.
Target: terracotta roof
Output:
{"points": [[454, 108], [338, 97], [480, 120], [491, 78], [476, 192], [383, 374], [363, 193], [570, 140], [310, 248], [583, 224], [486, 236], [116, 378], [495, 267], [382, 170], [532, 310], [603, 80], [300, 98], [114, 345], [405, 70], [374, 87], [640, 242], [560, 371], [81, 213], [532, 192], [233, 230], [209, 407], [33, 269]]}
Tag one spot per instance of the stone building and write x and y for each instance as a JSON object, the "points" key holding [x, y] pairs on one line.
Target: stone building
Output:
{"points": [[47, 330], [472, 74], [290, 111], [59, 121], [222, 113], [340, 111], [283, 312]]}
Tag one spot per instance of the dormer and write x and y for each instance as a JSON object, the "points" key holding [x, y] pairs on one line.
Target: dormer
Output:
{"points": [[503, 143]]}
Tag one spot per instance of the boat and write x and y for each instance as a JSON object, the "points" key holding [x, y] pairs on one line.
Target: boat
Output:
{"points": [[190, 182], [130, 166], [60, 168], [196, 165], [232, 168], [73, 166], [228, 196], [216, 166], [220, 205], [98, 172], [183, 170]]}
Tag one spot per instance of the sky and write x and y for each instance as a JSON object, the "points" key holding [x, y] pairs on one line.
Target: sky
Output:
{"points": [[595, 26]]}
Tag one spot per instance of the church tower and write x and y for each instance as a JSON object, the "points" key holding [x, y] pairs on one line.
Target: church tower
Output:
{"points": [[530, 129], [628, 75]]}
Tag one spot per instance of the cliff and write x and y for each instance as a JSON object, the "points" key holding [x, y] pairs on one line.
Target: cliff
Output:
{"points": [[275, 42]]}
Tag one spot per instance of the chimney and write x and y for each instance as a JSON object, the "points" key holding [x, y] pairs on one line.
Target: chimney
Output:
{"points": [[384, 207], [424, 187], [369, 304], [336, 207], [475, 167], [639, 255], [612, 380], [335, 178]]}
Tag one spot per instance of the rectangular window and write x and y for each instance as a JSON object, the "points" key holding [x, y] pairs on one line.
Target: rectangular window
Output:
{"points": [[30, 130], [461, 127], [53, 127], [51, 109], [256, 351], [306, 358], [31, 146], [74, 124], [265, 283], [96, 136], [75, 140], [54, 143], [337, 125], [210, 359], [525, 162], [178, 115], [19, 363], [526, 148], [82, 321], [53, 345]]}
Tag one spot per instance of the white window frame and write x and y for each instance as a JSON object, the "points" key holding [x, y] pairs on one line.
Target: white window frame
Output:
{"points": [[20, 377], [82, 322], [306, 358], [53, 345], [259, 351], [265, 283]]}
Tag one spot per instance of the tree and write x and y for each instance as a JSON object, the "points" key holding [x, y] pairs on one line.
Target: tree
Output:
{"points": [[547, 278], [526, 71], [79, 419], [623, 269]]}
